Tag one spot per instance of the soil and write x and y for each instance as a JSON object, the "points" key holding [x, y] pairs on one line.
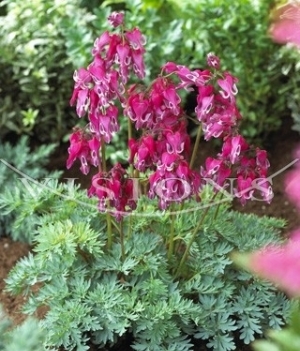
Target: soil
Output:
{"points": [[280, 146]]}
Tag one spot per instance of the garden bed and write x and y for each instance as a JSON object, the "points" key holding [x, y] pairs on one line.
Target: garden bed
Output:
{"points": [[280, 146]]}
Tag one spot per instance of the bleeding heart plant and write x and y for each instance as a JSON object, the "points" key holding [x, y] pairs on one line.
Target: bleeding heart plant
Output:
{"points": [[115, 265], [159, 148]]}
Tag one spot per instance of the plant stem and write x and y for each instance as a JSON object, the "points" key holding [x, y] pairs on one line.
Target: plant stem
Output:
{"points": [[196, 146], [171, 237], [218, 207], [122, 240], [195, 232], [129, 136], [108, 215], [109, 230]]}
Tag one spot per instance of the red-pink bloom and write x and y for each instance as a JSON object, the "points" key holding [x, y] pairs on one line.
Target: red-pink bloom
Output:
{"points": [[213, 60], [124, 60], [233, 147], [138, 109], [173, 182], [100, 44], [286, 28], [143, 153], [104, 124], [138, 63], [83, 79], [136, 39], [109, 54], [216, 170], [219, 115], [177, 142], [228, 85], [245, 189], [170, 67], [279, 264], [262, 162], [172, 99], [205, 101], [168, 162], [94, 146], [83, 102], [116, 18], [84, 147], [114, 191], [247, 167], [188, 78], [264, 185]]}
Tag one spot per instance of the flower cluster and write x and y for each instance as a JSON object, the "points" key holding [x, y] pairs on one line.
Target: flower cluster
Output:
{"points": [[249, 167], [116, 187], [165, 145], [97, 87], [162, 150], [84, 146]]}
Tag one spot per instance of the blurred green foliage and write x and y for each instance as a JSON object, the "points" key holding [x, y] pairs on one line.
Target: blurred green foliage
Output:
{"points": [[41, 43], [287, 339], [292, 90]]}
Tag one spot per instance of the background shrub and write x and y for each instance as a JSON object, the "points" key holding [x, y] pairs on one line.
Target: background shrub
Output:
{"points": [[41, 43]]}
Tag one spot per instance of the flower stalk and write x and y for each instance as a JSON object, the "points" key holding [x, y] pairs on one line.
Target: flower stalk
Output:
{"points": [[192, 239]]}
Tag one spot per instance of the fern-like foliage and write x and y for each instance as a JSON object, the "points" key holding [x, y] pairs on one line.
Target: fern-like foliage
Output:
{"points": [[27, 337], [100, 294], [19, 167]]}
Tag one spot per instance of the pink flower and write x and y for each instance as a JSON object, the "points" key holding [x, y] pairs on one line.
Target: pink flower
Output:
{"points": [[265, 187], [83, 102], [262, 162], [178, 142], [279, 264], [229, 89], [138, 63], [83, 79], [84, 147], [94, 146], [216, 170], [233, 147], [172, 99], [124, 59], [188, 78], [139, 111], [143, 153], [116, 18], [100, 43], [174, 182], [218, 115], [168, 162], [135, 39], [205, 102], [245, 189], [286, 28], [114, 191], [247, 167], [213, 61], [104, 125]]}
